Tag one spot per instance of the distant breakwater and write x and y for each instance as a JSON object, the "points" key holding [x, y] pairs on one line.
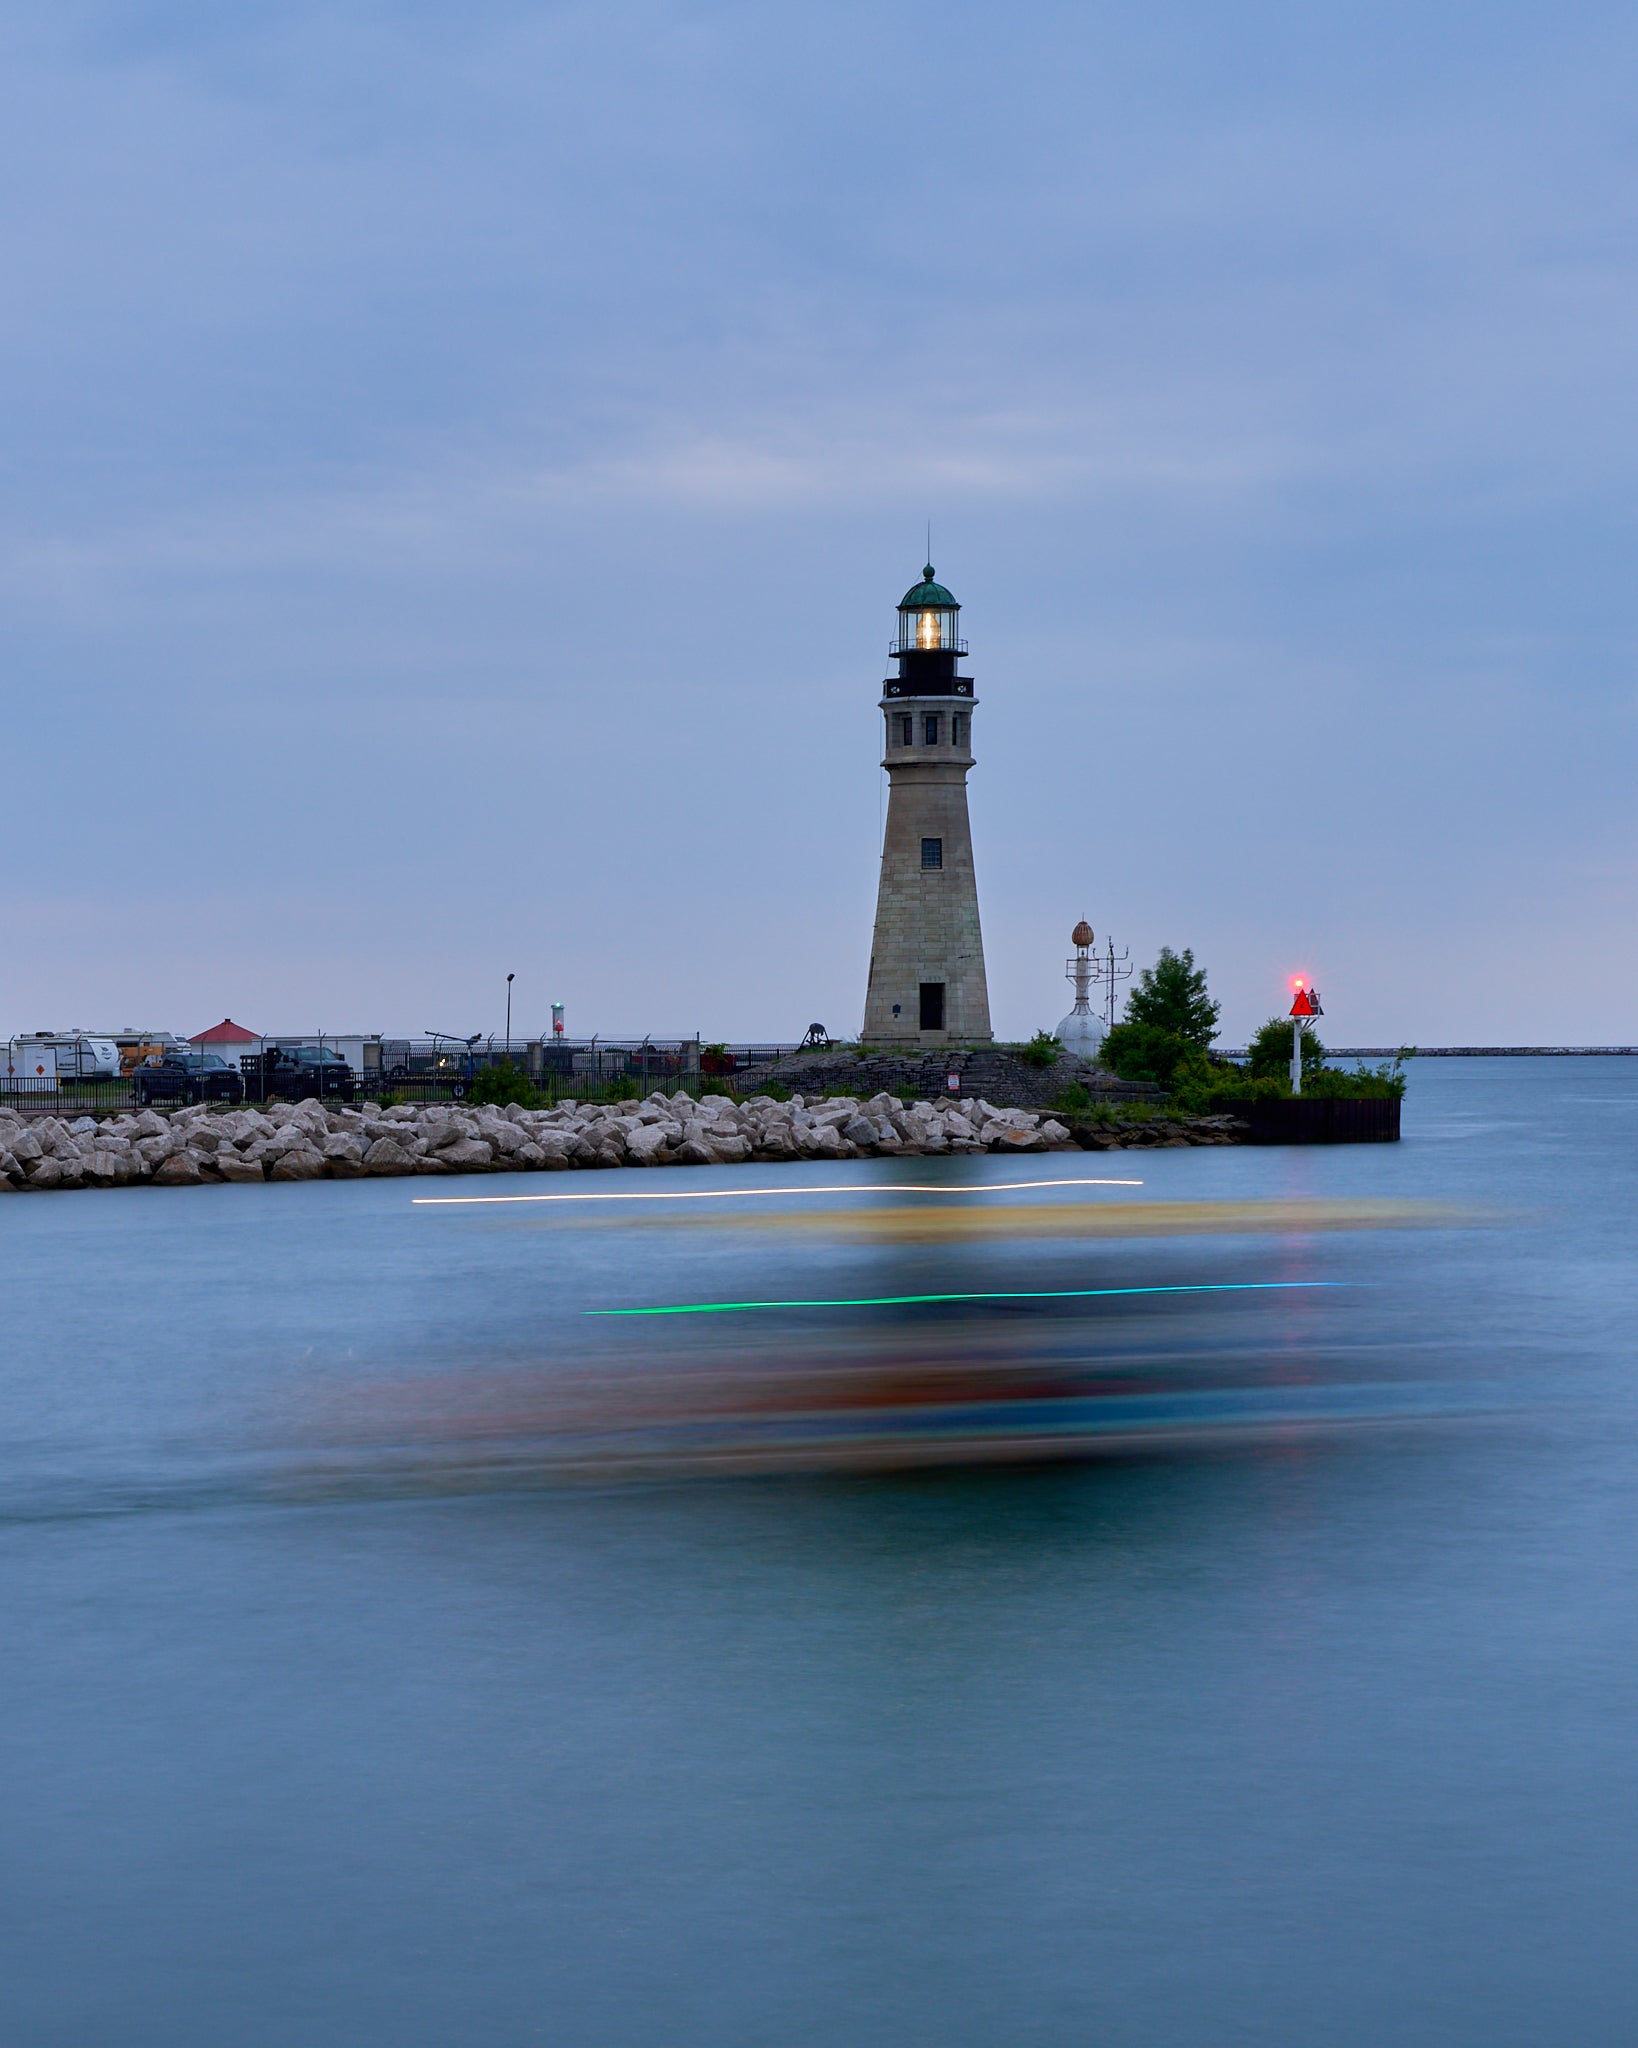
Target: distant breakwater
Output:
{"points": [[314, 1141], [1467, 1052]]}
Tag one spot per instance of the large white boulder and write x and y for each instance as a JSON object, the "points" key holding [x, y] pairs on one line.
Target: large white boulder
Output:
{"points": [[646, 1144], [290, 1137], [301, 1164], [178, 1170], [386, 1156], [467, 1155]]}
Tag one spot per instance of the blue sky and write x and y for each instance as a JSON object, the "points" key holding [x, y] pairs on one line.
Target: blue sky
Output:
{"points": [[460, 463]]}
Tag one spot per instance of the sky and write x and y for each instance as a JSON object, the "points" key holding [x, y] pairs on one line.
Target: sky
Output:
{"points": [[460, 462]]}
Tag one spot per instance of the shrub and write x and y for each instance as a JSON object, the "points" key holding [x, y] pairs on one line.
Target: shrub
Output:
{"points": [[1220, 1081], [1075, 1098], [1171, 996], [503, 1083], [1362, 1084], [1042, 1050], [1196, 1081]]}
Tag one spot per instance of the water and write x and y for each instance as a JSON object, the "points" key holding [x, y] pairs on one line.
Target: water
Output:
{"points": [[1313, 1740]]}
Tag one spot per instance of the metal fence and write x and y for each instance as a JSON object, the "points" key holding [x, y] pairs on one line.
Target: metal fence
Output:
{"points": [[564, 1067], [405, 1070]]}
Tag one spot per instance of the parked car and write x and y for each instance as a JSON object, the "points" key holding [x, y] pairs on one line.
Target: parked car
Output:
{"points": [[187, 1077], [295, 1072]]}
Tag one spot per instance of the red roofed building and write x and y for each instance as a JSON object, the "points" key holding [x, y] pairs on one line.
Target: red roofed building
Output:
{"points": [[226, 1037]]}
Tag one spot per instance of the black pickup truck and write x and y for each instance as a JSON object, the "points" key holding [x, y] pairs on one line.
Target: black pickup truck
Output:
{"points": [[290, 1073], [187, 1077]]}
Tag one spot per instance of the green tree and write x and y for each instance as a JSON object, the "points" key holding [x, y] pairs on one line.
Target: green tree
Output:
{"points": [[1171, 996], [1270, 1051], [1144, 1052]]}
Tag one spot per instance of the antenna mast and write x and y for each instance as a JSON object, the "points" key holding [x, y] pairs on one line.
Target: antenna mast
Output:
{"points": [[1112, 969]]}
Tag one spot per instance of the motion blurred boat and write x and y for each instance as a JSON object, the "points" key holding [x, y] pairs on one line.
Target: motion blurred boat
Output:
{"points": [[1082, 1332]]}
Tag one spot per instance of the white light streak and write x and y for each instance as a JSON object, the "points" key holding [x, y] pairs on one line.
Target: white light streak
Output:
{"points": [[867, 1187]]}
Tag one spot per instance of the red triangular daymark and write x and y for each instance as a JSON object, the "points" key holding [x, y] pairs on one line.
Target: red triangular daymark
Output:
{"points": [[1303, 1006]]}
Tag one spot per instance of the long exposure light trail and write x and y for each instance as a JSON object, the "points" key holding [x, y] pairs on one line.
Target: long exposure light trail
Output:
{"points": [[867, 1187], [717, 1308]]}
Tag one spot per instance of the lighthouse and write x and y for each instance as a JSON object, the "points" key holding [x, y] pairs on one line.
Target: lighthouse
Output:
{"points": [[927, 984]]}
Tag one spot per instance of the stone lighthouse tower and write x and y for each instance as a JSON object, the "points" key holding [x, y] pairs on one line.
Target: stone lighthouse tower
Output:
{"points": [[927, 959]]}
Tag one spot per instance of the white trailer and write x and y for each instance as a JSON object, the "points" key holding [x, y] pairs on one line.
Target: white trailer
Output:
{"points": [[79, 1055], [31, 1066], [88, 1058]]}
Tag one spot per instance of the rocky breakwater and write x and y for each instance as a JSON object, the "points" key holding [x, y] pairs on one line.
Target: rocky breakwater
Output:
{"points": [[313, 1141]]}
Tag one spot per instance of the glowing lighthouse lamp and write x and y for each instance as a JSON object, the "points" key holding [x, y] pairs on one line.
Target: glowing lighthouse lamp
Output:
{"points": [[1305, 1004]]}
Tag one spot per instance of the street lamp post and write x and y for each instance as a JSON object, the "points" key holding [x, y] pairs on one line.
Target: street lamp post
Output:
{"points": [[509, 980]]}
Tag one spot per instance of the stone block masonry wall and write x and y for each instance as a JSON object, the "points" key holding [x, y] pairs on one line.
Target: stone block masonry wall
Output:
{"points": [[927, 927], [996, 1075], [310, 1141]]}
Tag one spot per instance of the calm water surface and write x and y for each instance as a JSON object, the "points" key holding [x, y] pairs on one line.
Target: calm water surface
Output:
{"points": [[1305, 1743]]}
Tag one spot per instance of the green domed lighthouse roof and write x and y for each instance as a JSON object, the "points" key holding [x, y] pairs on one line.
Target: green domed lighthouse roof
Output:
{"points": [[928, 595]]}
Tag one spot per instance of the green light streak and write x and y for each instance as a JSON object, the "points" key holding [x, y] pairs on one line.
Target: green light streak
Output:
{"points": [[720, 1308]]}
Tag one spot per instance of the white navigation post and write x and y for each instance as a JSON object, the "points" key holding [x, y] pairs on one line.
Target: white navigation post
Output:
{"points": [[1080, 1032], [1306, 1004]]}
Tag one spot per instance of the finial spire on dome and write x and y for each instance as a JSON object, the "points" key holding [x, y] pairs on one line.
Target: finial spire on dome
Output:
{"points": [[927, 572]]}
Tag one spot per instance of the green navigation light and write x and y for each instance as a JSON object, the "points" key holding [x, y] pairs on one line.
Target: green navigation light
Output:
{"points": [[718, 1308]]}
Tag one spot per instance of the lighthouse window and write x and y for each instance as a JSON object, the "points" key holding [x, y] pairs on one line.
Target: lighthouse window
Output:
{"points": [[958, 728], [930, 729], [907, 730], [932, 856]]}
